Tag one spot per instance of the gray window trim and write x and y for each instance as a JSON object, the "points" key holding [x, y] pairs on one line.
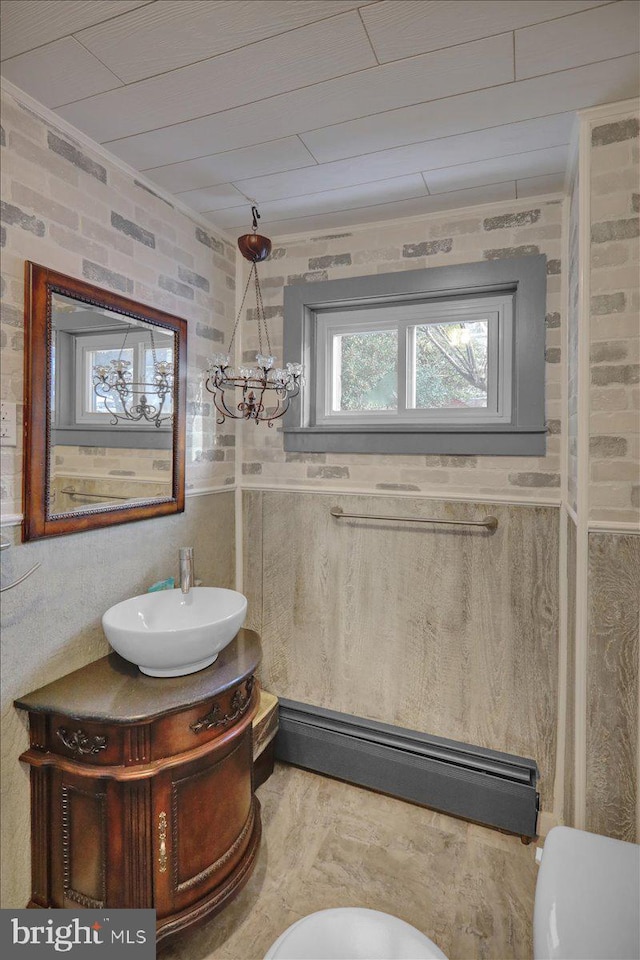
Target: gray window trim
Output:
{"points": [[523, 435]]}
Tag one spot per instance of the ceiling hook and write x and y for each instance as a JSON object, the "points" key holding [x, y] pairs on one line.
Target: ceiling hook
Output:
{"points": [[256, 217]]}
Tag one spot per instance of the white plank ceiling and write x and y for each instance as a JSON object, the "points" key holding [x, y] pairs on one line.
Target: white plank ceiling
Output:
{"points": [[327, 112]]}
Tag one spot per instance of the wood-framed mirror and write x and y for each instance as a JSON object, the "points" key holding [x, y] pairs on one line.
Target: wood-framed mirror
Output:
{"points": [[105, 407]]}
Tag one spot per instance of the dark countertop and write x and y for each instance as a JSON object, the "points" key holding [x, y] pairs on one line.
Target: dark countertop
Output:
{"points": [[112, 689]]}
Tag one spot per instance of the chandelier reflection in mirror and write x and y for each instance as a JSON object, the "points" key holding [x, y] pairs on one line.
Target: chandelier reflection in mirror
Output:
{"points": [[129, 400], [265, 391]]}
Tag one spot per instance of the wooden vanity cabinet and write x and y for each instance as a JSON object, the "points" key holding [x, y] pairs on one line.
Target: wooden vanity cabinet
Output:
{"points": [[142, 789]]}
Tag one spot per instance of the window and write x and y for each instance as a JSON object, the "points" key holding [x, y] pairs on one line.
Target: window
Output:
{"points": [[80, 414], [101, 350], [420, 363], [446, 360]]}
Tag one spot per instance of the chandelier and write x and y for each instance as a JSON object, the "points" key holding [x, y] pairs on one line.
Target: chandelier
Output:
{"points": [[126, 399], [265, 391]]}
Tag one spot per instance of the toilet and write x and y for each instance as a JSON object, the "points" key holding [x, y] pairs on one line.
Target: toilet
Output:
{"points": [[587, 907], [353, 933], [587, 904]]}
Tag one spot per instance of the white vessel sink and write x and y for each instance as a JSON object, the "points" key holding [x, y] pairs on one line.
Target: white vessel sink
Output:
{"points": [[169, 633]]}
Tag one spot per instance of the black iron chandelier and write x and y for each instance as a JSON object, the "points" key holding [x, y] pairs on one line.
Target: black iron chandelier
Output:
{"points": [[265, 391]]}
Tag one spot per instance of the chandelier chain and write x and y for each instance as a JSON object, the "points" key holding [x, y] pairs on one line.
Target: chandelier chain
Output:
{"points": [[153, 349], [244, 297], [124, 342], [261, 314]]}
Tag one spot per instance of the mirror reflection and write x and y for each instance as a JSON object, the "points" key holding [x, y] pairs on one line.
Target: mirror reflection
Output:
{"points": [[111, 408], [105, 407]]}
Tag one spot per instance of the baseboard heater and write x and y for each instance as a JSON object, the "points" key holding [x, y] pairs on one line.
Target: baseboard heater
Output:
{"points": [[489, 787]]}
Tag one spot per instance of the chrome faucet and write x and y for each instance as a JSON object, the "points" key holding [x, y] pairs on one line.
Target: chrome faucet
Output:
{"points": [[186, 569]]}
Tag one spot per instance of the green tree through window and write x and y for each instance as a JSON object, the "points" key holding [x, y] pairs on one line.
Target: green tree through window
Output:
{"points": [[369, 371], [450, 367]]}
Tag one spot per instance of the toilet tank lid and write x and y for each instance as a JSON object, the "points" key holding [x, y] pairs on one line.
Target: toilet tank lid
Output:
{"points": [[587, 902]]}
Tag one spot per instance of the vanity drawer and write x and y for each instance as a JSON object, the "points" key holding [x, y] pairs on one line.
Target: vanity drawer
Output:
{"points": [[101, 744], [83, 740], [206, 721]]}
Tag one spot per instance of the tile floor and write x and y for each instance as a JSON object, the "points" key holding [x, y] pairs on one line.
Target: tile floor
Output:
{"points": [[327, 844]]}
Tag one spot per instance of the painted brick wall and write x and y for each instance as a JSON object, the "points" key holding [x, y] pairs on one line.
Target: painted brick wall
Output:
{"points": [[65, 207], [461, 237], [603, 572], [105, 462], [69, 209], [614, 441]]}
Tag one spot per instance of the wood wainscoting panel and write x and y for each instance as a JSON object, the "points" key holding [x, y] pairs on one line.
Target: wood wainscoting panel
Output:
{"points": [[570, 735], [252, 555], [449, 631], [613, 684]]}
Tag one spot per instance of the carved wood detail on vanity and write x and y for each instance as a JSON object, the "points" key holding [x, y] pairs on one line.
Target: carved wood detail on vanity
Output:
{"points": [[80, 742], [40, 836], [137, 826], [142, 787], [137, 744], [216, 718], [84, 823], [38, 732]]}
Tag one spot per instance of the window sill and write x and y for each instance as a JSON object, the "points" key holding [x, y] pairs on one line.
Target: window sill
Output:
{"points": [[107, 435], [490, 440]]}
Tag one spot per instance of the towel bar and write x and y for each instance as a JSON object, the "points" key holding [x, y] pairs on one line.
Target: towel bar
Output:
{"points": [[71, 492], [490, 523]]}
